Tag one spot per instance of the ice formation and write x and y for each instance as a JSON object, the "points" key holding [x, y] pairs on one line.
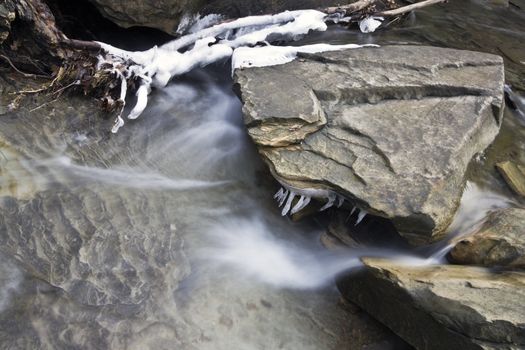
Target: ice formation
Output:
{"points": [[370, 24], [158, 65], [287, 194]]}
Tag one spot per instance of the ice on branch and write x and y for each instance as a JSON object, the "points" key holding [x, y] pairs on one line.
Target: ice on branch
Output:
{"points": [[154, 68]]}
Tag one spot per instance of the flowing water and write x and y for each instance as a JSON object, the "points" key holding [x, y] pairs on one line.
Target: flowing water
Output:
{"points": [[166, 234]]}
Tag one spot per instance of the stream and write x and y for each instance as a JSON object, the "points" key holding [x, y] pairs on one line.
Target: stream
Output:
{"points": [[166, 235]]}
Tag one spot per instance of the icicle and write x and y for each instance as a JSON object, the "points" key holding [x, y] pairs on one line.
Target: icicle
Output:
{"points": [[330, 203], [360, 217], [340, 201], [286, 208], [353, 210], [142, 101], [119, 122], [283, 198], [279, 193], [302, 203]]}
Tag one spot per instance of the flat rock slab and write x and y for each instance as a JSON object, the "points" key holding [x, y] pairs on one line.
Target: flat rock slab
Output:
{"points": [[444, 306], [391, 129]]}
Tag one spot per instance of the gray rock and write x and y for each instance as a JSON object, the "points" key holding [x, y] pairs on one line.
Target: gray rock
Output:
{"points": [[443, 307], [499, 242], [402, 124], [111, 264], [167, 14]]}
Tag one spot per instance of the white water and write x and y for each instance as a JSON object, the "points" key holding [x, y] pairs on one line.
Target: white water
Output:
{"points": [[475, 204], [257, 250], [127, 177]]}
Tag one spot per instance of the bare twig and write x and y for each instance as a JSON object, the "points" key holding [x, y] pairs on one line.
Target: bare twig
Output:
{"points": [[44, 104], [23, 92], [353, 7], [76, 82], [28, 75], [408, 8]]}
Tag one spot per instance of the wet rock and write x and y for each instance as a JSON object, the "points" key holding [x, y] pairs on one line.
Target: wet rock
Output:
{"points": [[443, 307], [166, 15], [499, 242], [94, 242], [402, 124], [105, 263], [514, 175]]}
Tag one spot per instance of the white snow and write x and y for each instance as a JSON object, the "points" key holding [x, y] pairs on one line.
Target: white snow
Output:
{"points": [[274, 55], [157, 66]]}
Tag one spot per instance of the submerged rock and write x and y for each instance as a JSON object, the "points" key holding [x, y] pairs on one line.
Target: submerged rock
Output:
{"points": [[499, 242], [443, 307], [402, 124]]}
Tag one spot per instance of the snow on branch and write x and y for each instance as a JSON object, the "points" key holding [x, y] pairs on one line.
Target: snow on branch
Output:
{"points": [[158, 65]]}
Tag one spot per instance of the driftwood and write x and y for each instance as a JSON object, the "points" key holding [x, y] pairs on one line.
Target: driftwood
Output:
{"points": [[409, 8]]}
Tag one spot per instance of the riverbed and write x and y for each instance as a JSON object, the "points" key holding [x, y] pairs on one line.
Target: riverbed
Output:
{"points": [[166, 235]]}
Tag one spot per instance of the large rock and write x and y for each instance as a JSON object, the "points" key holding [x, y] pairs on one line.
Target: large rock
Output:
{"points": [[392, 129], [166, 15], [161, 14], [443, 307], [499, 242]]}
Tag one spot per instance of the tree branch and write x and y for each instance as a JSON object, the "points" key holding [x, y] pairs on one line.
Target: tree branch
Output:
{"points": [[408, 8], [353, 7]]}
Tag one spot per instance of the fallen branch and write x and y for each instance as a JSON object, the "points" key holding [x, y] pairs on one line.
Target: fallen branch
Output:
{"points": [[350, 8], [409, 8], [110, 73]]}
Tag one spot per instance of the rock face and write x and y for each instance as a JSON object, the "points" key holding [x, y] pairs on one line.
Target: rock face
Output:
{"points": [[167, 14], [164, 14], [443, 307], [500, 242], [392, 129]]}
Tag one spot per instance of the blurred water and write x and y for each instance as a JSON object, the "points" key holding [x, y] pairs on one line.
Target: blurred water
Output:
{"points": [[166, 234]]}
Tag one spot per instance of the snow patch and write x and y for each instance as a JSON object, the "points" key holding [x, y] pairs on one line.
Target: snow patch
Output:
{"points": [[274, 55], [370, 24]]}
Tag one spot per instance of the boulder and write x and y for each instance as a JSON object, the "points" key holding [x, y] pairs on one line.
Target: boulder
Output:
{"points": [[444, 306], [391, 129], [499, 242], [166, 15]]}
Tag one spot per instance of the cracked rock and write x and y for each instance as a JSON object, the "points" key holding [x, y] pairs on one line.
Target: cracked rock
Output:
{"points": [[402, 124], [442, 306]]}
